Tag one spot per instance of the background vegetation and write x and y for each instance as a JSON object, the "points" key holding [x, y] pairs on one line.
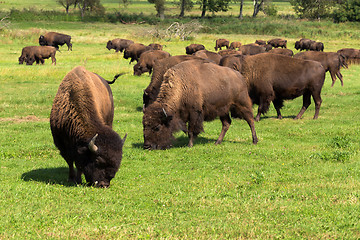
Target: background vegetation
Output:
{"points": [[300, 181]]}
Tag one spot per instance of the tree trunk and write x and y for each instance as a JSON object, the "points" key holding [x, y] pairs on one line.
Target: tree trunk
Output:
{"points": [[257, 6], [241, 9], [182, 8], [204, 3]]}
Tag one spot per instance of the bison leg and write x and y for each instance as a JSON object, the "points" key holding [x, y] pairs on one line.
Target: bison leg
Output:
{"points": [[246, 113], [318, 101], [340, 76], [195, 126], [333, 77], [69, 45], [226, 122], [264, 104], [53, 60], [278, 104], [306, 104]]}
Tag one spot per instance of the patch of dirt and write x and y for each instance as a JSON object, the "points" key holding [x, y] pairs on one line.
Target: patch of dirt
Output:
{"points": [[30, 118]]}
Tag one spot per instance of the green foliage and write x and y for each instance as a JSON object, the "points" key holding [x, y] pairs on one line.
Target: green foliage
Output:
{"points": [[312, 9], [348, 11], [270, 9]]}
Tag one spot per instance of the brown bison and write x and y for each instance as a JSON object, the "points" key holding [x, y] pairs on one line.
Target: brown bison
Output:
{"points": [[283, 51], [39, 53], [25, 52], [235, 45], [155, 46], [277, 42], [147, 61], [274, 77], [316, 46], [159, 69], [351, 55], [221, 43], [228, 52], [192, 48], [331, 62], [118, 44], [134, 51], [212, 56], [260, 42], [55, 39], [251, 49], [303, 44], [81, 124], [215, 92]]}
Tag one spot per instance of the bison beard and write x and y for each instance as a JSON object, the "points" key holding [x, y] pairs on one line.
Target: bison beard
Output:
{"points": [[81, 124], [215, 92]]}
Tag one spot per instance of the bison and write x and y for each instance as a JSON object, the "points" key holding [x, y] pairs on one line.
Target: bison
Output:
{"points": [[134, 51], [283, 51], [39, 53], [274, 77], [316, 46], [81, 125], [118, 44], [147, 61], [212, 56], [219, 43], [55, 39], [25, 52], [160, 67], [251, 49], [192, 48], [235, 45], [277, 42], [260, 42], [331, 62], [215, 92], [155, 46], [351, 55], [228, 52]]}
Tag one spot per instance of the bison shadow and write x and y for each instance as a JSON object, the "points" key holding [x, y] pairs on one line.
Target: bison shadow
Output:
{"points": [[49, 176]]}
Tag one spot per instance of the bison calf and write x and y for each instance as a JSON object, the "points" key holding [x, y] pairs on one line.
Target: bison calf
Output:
{"points": [[39, 53], [193, 92], [118, 44]]}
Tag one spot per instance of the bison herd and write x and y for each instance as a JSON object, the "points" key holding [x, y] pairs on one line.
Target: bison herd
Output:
{"points": [[184, 91]]}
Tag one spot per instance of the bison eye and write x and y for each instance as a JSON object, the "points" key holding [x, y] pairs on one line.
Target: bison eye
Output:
{"points": [[157, 128]]}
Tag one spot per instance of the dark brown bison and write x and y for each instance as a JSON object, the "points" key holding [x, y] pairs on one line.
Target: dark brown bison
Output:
{"points": [[159, 69], [81, 124], [192, 48], [331, 62], [55, 39], [278, 42], [118, 44], [274, 77], [351, 55], [228, 52], [39, 53], [303, 44], [25, 52], [235, 45], [219, 43], [283, 51], [212, 56], [260, 42], [215, 92], [147, 61], [316, 46], [155, 46], [251, 49], [134, 51]]}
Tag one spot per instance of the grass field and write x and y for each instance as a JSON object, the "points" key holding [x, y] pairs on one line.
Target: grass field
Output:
{"points": [[301, 181]]}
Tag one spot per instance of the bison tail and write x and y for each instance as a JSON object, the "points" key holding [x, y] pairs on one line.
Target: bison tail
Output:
{"points": [[115, 77]]}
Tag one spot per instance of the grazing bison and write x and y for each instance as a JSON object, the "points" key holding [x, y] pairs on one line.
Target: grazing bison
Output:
{"points": [[159, 69], [274, 77], [235, 45], [331, 62], [39, 53], [215, 92], [283, 51], [155, 46], [55, 39], [277, 42], [219, 43], [351, 55], [316, 46], [81, 125], [147, 61], [212, 56], [134, 51], [25, 52], [260, 42], [192, 48], [251, 49], [118, 44]]}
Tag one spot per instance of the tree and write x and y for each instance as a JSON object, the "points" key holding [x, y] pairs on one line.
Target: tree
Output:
{"points": [[185, 5], [66, 4], [160, 7], [90, 6], [241, 9], [214, 6], [313, 9], [257, 5], [348, 11]]}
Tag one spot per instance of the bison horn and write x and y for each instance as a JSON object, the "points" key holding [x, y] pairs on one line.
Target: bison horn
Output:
{"points": [[92, 147], [164, 112]]}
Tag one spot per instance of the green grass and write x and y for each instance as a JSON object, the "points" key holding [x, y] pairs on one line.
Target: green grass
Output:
{"points": [[300, 181]]}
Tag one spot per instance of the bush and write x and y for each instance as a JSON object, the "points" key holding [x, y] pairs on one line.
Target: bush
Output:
{"points": [[348, 11]]}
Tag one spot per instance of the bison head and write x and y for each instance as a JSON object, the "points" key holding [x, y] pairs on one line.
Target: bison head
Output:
{"points": [[109, 45], [103, 154], [21, 59], [140, 69], [157, 128], [42, 41]]}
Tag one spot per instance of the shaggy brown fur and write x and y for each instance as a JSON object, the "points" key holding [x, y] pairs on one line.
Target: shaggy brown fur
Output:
{"points": [[81, 124], [274, 77], [192, 48], [316, 46], [235, 45], [155, 46], [219, 43], [55, 39], [331, 62], [147, 61], [228, 52], [277, 42], [134, 51], [25, 52], [283, 51], [251, 49], [39, 53], [351, 55], [212, 56], [215, 92], [118, 44], [160, 67]]}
